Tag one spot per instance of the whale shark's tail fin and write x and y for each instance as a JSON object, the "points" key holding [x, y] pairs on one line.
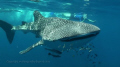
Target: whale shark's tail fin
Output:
{"points": [[7, 28]]}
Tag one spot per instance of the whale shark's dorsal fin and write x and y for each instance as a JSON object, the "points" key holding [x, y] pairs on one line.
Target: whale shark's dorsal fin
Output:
{"points": [[38, 16]]}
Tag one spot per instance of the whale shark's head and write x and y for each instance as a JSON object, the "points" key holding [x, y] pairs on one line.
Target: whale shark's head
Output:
{"points": [[83, 32]]}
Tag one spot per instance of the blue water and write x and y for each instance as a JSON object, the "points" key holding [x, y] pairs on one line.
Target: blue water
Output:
{"points": [[107, 43]]}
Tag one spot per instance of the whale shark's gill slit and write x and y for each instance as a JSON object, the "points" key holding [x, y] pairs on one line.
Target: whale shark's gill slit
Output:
{"points": [[7, 28]]}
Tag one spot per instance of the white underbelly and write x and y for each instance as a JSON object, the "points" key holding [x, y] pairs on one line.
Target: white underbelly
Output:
{"points": [[66, 46]]}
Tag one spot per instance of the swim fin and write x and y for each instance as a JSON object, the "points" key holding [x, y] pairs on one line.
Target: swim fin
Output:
{"points": [[7, 28]]}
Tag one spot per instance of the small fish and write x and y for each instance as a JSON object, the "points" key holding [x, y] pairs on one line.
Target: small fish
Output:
{"points": [[90, 50], [96, 55], [53, 50], [94, 62], [54, 55], [59, 46], [64, 46]]}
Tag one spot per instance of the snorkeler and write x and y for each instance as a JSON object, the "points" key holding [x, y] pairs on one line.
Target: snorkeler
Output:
{"points": [[76, 17], [80, 17]]}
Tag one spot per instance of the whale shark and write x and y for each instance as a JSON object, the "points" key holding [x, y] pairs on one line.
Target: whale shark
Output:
{"points": [[56, 34]]}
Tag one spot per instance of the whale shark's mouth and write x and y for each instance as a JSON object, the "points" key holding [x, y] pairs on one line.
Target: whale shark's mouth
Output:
{"points": [[80, 37]]}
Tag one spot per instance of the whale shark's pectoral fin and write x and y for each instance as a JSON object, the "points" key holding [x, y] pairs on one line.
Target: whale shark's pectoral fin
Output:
{"points": [[7, 28], [38, 16], [31, 47]]}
